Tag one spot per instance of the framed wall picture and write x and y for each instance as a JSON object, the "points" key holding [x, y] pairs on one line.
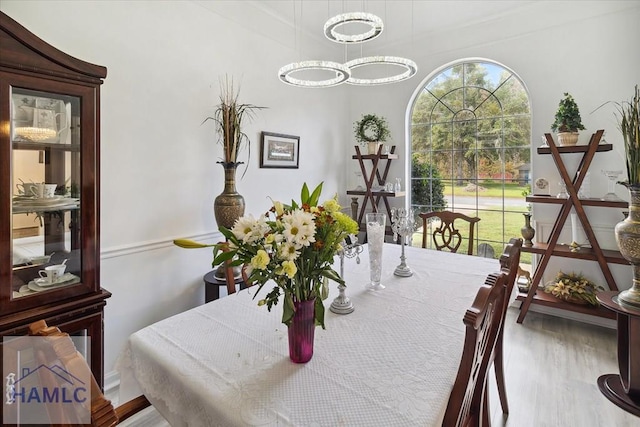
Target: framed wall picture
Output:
{"points": [[279, 151]]}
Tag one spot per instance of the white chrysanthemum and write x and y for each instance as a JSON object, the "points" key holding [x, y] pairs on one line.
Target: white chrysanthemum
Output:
{"points": [[250, 230], [243, 227], [288, 251], [260, 229], [299, 227]]}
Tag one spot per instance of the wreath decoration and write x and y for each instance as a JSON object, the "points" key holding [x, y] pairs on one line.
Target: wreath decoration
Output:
{"points": [[371, 128]]}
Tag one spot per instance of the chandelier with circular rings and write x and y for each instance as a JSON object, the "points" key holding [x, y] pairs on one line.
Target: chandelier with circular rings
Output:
{"points": [[332, 25], [410, 69], [342, 73]]}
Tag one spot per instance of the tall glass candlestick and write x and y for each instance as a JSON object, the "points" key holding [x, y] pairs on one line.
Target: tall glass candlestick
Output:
{"points": [[403, 225], [350, 249]]}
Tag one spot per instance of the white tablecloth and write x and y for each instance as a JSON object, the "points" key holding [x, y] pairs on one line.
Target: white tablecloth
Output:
{"points": [[392, 362]]}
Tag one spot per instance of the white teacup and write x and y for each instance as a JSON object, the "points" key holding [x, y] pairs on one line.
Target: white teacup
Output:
{"points": [[27, 189], [49, 190], [52, 273], [37, 190]]}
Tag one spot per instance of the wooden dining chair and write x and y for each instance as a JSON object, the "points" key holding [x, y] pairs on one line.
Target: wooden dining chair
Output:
{"points": [[446, 235], [509, 262], [469, 400], [58, 347]]}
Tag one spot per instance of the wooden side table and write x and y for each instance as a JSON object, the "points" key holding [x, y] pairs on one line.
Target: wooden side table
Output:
{"points": [[212, 285], [624, 389]]}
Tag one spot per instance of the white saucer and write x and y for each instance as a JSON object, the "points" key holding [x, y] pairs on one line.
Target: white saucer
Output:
{"points": [[40, 284], [23, 291], [44, 283]]}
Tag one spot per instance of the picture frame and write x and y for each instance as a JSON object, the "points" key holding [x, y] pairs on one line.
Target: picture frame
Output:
{"points": [[280, 151]]}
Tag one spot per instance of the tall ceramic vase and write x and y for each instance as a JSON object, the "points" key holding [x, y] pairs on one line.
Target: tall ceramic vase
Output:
{"points": [[528, 232], [301, 331], [628, 240], [229, 205]]}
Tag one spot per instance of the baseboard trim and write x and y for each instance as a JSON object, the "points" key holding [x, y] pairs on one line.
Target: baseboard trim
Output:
{"points": [[111, 382]]}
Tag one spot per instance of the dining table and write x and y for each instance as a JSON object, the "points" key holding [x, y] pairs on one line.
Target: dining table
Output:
{"points": [[391, 362]]}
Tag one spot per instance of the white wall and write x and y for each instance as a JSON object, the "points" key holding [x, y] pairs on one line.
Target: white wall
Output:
{"points": [[159, 176], [158, 170]]}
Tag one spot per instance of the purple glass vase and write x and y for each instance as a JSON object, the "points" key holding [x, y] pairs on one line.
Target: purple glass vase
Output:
{"points": [[301, 332]]}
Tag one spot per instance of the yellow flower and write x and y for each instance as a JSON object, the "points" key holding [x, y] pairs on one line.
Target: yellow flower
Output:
{"points": [[289, 268], [346, 223], [260, 260], [331, 205], [279, 208], [574, 285]]}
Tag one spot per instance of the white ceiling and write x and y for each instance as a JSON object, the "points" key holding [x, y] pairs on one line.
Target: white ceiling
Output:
{"points": [[403, 19], [297, 23]]}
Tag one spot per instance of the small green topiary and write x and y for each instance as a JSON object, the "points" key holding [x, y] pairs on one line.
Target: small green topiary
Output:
{"points": [[568, 116]]}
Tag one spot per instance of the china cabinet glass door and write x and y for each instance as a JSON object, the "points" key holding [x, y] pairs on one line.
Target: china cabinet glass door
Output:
{"points": [[46, 130], [46, 179]]}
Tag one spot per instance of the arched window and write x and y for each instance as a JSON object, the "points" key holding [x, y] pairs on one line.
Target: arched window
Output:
{"points": [[469, 143]]}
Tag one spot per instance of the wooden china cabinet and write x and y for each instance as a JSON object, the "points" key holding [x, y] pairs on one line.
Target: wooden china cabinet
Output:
{"points": [[49, 133]]}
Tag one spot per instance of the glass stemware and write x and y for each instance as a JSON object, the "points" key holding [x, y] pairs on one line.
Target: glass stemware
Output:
{"points": [[613, 175], [563, 191]]}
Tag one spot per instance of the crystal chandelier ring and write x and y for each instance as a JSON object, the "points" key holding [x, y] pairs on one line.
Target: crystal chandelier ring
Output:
{"points": [[410, 69], [342, 73], [332, 25]]}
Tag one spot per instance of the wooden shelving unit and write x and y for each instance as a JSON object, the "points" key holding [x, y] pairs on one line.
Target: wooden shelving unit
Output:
{"points": [[553, 248], [374, 177]]}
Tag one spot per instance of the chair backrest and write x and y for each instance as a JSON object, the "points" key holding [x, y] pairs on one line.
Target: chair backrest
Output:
{"points": [[509, 263], [482, 321], [231, 275], [446, 235], [59, 348]]}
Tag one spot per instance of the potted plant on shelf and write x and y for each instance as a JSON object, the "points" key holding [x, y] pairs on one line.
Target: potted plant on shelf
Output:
{"points": [[372, 130], [628, 231], [567, 121]]}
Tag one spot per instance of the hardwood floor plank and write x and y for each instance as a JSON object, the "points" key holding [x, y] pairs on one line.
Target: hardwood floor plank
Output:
{"points": [[551, 368]]}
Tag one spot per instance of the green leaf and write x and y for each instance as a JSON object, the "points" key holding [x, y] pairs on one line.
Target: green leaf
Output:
{"points": [[222, 257], [332, 275], [315, 196], [288, 310], [319, 313], [324, 293], [304, 194], [226, 232]]}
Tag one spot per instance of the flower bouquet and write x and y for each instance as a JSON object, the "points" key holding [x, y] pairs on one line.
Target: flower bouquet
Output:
{"points": [[291, 245], [575, 288]]}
